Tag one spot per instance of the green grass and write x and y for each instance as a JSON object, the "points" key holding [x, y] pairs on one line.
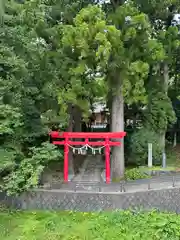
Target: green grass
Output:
{"points": [[159, 168], [88, 226]]}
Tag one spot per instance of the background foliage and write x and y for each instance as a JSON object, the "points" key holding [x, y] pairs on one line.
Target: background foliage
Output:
{"points": [[139, 146], [59, 57]]}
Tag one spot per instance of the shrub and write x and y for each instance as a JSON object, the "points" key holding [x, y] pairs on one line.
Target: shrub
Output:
{"points": [[25, 177], [135, 174], [139, 147], [27, 174], [7, 159], [45, 153]]}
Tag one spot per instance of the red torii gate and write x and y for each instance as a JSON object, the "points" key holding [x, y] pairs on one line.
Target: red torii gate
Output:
{"points": [[67, 142]]}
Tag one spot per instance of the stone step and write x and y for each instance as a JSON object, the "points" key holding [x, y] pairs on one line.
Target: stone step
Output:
{"points": [[91, 170]]}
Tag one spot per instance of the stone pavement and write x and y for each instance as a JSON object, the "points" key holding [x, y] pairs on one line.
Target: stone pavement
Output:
{"points": [[155, 183], [90, 179], [91, 170], [89, 173], [142, 185]]}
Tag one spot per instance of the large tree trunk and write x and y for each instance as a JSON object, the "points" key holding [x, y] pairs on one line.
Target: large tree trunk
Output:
{"points": [[109, 117], [2, 12], [118, 126], [162, 140], [165, 82], [165, 77], [117, 3], [117, 122], [70, 129], [175, 139], [77, 116]]}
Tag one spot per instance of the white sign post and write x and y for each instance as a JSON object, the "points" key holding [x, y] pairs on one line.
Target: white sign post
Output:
{"points": [[164, 160], [149, 155]]}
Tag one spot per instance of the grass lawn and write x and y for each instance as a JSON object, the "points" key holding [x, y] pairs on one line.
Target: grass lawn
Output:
{"points": [[159, 168], [88, 226]]}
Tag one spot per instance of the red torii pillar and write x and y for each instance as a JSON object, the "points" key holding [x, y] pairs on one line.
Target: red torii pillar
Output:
{"points": [[107, 143]]}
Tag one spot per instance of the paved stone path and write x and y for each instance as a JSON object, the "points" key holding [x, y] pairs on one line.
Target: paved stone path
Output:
{"points": [[90, 170], [143, 184], [89, 173], [91, 178], [132, 186]]}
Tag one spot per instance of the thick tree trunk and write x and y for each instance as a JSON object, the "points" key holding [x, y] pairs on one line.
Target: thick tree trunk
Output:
{"points": [[175, 139], [77, 116], [117, 3], [117, 122], [2, 12], [165, 82], [162, 139], [70, 129], [165, 77], [109, 105], [118, 126]]}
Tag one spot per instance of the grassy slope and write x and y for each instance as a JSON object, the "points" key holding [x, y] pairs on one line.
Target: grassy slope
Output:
{"points": [[88, 226]]}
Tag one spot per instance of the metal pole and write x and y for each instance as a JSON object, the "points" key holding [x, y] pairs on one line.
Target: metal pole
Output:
{"points": [[149, 155], [173, 180], [164, 160]]}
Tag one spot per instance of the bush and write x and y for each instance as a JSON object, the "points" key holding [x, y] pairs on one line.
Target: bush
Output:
{"points": [[7, 159], [139, 147], [25, 177], [27, 174], [135, 174], [46, 153]]}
